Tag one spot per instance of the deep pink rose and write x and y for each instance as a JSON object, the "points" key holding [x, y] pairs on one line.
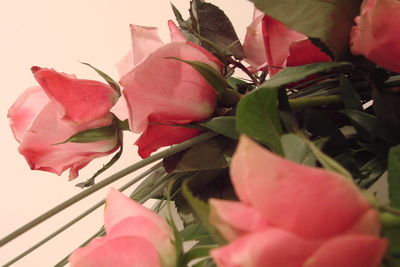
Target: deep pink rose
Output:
{"points": [[60, 107], [160, 91], [376, 34], [271, 44], [136, 237], [292, 215]]}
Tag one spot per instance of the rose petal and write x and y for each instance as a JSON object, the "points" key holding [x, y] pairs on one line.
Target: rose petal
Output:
{"points": [[311, 202], [272, 247], [233, 219], [253, 45], [25, 110], [277, 40], [168, 87], [41, 148], [349, 251], [127, 251], [305, 52], [157, 135], [149, 230], [375, 31], [81, 100], [145, 40], [120, 207], [176, 34]]}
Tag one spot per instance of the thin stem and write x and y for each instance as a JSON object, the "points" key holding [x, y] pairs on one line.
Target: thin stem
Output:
{"points": [[301, 102], [168, 152], [244, 69], [81, 216]]}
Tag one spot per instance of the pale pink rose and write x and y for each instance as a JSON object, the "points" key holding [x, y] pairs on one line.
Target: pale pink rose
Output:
{"points": [[44, 116], [136, 237], [159, 90], [269, 43], [376, 34], [293, 215]]}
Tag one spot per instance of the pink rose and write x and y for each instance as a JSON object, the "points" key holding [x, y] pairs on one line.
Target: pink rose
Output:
{"points": [[160, 91], [292, 215], [270, 43], [60, 107], [376, 34], [136, 237]]}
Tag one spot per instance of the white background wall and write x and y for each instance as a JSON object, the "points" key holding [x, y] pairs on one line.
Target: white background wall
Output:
{"points": [[59, 34]]}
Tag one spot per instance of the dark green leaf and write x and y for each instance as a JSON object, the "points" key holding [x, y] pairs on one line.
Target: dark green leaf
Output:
{"points": [[322, 125], [258, 117], [107, 78], [215, 26], [93, 135], [394, 176], [363, 122], [350, 97], [223, 125], [297, 150], [202, 211], [213, 77], [329, 21], [204, 156], [178, 16], [113, 160], [327, 162], [294, 74]]}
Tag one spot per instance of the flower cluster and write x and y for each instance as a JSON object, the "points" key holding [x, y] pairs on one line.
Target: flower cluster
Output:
{"points": [[271, 181]]}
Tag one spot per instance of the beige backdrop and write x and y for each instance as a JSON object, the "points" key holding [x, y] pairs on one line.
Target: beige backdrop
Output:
{"points": [[59, 34]]}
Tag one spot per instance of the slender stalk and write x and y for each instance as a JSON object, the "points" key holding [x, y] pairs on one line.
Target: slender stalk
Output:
{"points": [[244, 69], [168, 152], [81, 216], [301, 102]]}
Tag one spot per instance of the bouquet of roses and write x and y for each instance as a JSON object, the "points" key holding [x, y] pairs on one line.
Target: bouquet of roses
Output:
{"points": [[275, 142]]}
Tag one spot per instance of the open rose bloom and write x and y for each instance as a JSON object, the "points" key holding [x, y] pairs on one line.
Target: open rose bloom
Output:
{"points": [[47, 115], [291, 215], [160, 91], [377, 31], [271, 45], [136, 237]]}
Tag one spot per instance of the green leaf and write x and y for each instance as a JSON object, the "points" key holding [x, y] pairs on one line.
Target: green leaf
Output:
{"points": [[205, 156], [107, 78], [113, 160], [350, 97], [194, 232], [258, 117], [213, 77], [178, 16], [294, 74], [329, 21], [216, 27], [326, 161], [93, 135], [297, 150], [223, 125], [363, 122], [394, 176], [197, 252], [202, 210]]}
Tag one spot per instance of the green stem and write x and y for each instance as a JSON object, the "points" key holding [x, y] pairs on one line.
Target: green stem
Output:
{"points": [[168, 152], [301, 102], [79, 217], [389, 220]]}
